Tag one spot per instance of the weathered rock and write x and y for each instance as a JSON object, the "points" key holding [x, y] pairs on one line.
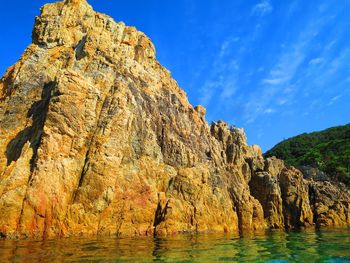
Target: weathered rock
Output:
{"points": [[266, 189], [312, 173], [331, 204], [274, 166], [296, 206], [96, 138]]}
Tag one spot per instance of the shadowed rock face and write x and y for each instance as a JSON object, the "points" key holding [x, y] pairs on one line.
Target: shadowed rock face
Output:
{"points": [[98, 139]]}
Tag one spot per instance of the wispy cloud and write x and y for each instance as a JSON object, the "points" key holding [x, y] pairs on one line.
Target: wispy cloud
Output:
{"points": [[316, 61], [329, 72], [222, 82], [333, 100], [289, 62], [262, 8], [278, 87], [274, 81], [225, 46], [338, 62], [264, 73], [269, 111]]}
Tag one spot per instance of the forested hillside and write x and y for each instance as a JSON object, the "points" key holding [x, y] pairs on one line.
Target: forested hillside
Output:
{"points": [[328, 150]]}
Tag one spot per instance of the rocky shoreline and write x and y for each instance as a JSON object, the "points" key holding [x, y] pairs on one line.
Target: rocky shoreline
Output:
{"points": [[98, 139]]}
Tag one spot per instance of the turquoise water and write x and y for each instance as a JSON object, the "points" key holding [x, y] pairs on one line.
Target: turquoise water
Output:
{"points": [[309, 246]]}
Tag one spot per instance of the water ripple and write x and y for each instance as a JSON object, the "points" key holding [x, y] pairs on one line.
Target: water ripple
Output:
{"points": [[308, 246]]}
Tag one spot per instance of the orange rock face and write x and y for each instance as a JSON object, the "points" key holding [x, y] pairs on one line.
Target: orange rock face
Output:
{"points": [[96, 138]]}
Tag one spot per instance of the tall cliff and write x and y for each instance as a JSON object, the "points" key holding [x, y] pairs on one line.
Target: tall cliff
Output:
{"points": [[98, 139]]}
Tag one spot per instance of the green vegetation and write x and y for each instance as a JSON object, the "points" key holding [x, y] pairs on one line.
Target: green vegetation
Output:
{"points": [[328, 150]]}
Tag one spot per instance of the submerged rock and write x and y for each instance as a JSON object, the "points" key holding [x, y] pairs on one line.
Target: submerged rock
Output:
{"points": [[98, 139]]}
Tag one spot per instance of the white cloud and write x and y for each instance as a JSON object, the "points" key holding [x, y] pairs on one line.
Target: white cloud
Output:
{"points": [[207, 92], [316, 61], [269, 111], [273, 81], [287, 65], [227, 45], [338, 62], [224, 48], [330, 45], [291, 73], [278, 88], [223, 78], [333, 100], [262, 8], [227, 91], [282, 101], [223, 86]]}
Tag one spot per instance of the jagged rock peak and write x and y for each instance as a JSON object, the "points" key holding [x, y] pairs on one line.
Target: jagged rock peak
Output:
{"points": [[96, 138], [74, 2], [67, 23]]}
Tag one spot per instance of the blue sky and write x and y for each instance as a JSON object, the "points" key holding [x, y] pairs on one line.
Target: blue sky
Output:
{"points": [[276, 68]]}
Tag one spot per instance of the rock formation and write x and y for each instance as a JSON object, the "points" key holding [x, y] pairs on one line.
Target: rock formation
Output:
{"points": [[96, 138]]}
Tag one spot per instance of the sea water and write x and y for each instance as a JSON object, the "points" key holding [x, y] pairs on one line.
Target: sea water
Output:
{"points": [[275, 246]]}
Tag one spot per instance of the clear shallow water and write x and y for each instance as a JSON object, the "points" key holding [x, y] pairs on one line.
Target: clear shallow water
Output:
{"points": [[309, 246]]}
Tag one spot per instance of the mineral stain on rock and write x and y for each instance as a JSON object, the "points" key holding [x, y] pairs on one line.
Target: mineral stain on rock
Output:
{"points": [[96, 138]]}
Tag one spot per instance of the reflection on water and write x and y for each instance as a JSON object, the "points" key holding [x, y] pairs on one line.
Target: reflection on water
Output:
{"points": [[309, 246]]}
